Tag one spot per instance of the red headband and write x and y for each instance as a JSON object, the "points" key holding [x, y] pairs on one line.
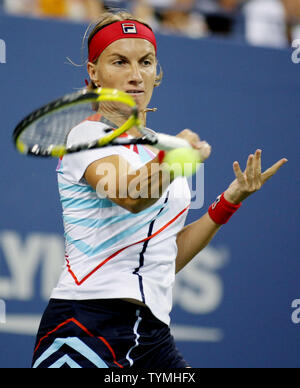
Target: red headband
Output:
{"points": [[116, 31]]}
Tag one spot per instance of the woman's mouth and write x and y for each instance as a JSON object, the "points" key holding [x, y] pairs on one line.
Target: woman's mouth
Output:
{"points": [[135, 93]]}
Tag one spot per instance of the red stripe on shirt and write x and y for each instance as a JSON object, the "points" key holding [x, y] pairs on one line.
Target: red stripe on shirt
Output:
{"points": [[80, 282]]}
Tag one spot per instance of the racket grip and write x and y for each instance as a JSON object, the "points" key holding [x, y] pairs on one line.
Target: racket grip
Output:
{"points": [[168, 143]]}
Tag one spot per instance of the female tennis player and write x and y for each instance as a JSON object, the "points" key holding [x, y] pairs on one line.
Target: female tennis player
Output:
{"points": [[111, 306]]}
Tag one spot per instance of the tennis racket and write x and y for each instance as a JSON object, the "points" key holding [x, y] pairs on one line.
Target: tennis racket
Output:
{"points": [[45, 131]]}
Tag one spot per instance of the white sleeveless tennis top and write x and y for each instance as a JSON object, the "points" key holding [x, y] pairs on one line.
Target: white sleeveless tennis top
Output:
{"points": [[110, 252]]}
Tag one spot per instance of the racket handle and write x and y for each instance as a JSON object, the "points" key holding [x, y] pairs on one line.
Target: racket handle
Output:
{"points": [[168, 143]]}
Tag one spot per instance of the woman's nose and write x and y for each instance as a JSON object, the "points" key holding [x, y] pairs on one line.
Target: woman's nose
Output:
{"points": [[135, 74]]}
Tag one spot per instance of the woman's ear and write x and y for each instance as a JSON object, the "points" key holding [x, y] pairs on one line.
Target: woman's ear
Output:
{"points": [[91, 68], [159, 75]]}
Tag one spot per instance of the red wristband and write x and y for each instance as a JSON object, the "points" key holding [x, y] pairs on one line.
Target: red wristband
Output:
{"points": [[161, 155], [221, 210]]}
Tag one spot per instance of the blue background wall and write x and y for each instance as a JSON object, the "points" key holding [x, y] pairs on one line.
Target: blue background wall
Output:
{"points": [[232, 306]]}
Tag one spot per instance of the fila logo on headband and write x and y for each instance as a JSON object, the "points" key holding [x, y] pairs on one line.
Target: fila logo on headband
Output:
{"points": [[129, 28]]}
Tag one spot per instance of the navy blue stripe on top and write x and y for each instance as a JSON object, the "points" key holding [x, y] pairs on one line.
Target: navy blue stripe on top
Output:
{"points": [[142, 253]]}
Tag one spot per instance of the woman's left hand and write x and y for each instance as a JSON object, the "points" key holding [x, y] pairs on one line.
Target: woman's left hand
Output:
{"points": [[251, 180]]}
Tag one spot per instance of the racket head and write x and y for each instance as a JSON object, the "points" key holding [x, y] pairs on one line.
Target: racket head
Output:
{"points": [[45, 131]]}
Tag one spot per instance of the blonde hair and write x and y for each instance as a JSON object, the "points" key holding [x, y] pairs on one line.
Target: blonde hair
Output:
{"points": [[110, 18]]}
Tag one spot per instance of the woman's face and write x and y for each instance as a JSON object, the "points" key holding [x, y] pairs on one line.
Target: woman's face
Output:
{"points": [[128, 65]]}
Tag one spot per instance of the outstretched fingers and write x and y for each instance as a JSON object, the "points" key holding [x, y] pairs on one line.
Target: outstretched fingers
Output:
{"points": [[249, 172], [257, 180], [273, 170], [239, 174], [252, 179]]}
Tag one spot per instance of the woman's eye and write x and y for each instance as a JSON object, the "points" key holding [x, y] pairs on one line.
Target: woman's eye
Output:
{"points": [[119, 62]]}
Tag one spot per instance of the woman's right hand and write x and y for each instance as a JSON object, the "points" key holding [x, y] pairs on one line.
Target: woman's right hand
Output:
{"points": [[202, 146]]}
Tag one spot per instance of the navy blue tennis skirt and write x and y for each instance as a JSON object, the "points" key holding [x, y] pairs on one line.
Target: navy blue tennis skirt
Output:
{"points": [[108, 333]]}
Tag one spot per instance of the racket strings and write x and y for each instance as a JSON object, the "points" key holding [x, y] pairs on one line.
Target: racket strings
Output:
{"points": [[53, 129]]}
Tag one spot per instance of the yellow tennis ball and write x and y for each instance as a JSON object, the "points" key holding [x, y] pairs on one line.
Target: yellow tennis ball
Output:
{"points": [[183, 161]]}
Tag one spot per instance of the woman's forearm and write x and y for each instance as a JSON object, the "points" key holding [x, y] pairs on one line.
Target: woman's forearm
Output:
{"points": [[193, 238], [148, 184]]}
